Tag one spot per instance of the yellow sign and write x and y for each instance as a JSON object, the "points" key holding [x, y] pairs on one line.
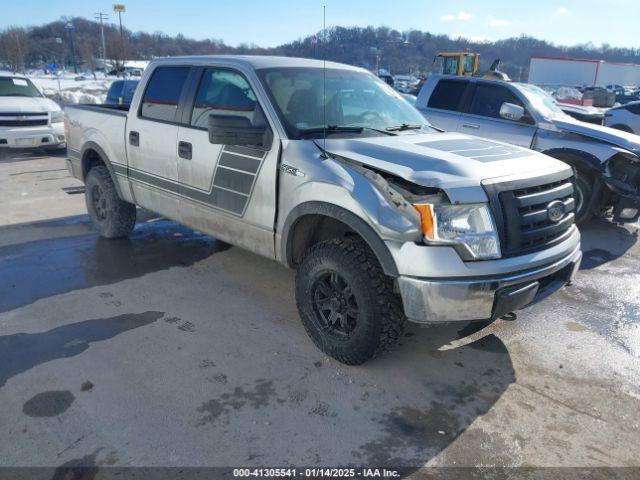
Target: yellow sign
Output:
{"points": [[119, 8]]}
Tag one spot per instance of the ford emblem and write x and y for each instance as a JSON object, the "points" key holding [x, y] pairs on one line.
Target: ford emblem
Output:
{"points": [[555, 211]]}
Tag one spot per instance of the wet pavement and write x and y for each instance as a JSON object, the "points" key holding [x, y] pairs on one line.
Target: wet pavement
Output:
{"points": [[173, 349]]}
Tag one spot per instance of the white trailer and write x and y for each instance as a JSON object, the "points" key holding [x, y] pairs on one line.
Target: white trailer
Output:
{"points": [[557, 71]]}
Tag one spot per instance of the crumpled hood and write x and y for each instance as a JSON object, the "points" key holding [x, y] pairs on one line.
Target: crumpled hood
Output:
{"points": [[621, 139], [443, 160], [27, 104]]}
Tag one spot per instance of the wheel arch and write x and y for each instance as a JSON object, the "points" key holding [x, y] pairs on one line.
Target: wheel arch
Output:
{"points": [[312, 222], [576, 158], [92, 155]]}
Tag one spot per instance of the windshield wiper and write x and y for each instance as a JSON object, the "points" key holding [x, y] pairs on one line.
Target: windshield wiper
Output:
{"points": [[405, 126], [340, 129]]}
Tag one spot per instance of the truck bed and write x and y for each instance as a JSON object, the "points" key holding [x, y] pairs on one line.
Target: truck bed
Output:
{"points": [[102, 125]]}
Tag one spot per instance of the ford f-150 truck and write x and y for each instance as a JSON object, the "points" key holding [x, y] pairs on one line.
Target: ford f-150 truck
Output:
{"points": [[606, 161], [329, 171]]}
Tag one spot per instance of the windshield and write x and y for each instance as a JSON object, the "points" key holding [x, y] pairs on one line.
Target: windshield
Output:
{"points": [[351, 99], [17, 87], [542, 102]]}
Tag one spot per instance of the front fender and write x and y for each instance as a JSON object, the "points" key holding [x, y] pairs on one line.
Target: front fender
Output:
{"points": [[329, 187], [593, 153]]}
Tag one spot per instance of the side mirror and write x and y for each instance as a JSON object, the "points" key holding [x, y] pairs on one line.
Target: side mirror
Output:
{"points": [[509, 111], [234, 130]]}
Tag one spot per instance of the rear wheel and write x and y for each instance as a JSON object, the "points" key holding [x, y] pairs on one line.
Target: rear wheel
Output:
{"points": [[111, 216], [346, 302]]}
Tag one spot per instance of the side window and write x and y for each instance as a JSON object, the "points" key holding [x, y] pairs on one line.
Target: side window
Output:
{"points": [[447, 95], [160, 101], [489, 98], [223, 92]]}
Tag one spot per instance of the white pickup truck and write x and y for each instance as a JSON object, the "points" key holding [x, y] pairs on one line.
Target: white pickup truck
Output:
{"points": [[27, 118], [326, 169]]}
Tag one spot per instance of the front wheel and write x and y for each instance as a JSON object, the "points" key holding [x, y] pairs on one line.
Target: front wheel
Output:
{"points": [[583, 194], [346, 302], [110, 215]]}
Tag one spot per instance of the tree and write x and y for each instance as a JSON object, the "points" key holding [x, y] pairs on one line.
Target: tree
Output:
{"points": [[14, 47], [88, 58]]}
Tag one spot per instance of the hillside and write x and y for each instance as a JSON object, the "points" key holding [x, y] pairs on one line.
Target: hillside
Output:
{"points": [[399, 52]]}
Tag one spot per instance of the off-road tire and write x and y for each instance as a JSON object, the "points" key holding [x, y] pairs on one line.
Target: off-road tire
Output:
{"points": [[583, 197], [380, 316], [110, 215]]}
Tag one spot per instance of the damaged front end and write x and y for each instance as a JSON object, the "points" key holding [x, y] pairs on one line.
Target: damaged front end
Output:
{"points": [[469, 228], [622, 177]]}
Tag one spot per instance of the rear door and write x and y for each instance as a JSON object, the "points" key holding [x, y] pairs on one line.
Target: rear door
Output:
{"points": [[228, 191], [151, 139], [445, 102], [482, 118]]}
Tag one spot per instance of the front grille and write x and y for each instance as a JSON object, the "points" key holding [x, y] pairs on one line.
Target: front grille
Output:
{"points": [[22, 123], [23, 119], [522, 212]]}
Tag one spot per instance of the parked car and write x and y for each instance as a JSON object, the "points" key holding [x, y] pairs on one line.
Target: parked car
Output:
{"points": [[384, 217], [626, 96], [27, 118], [388, 79], [606, 161], [121, 92], [405, 83], [625, 118]]}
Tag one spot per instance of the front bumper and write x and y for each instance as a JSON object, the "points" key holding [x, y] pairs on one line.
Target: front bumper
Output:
{"points": [[627, 198], [45, 136], [435, 300]]}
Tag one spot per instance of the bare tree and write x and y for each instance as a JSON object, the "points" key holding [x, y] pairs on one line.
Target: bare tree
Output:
{"points": [[88, 58], [14, 47]]}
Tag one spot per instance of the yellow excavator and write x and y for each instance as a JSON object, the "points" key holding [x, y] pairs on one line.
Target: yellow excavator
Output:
{"points": [[458, 63], [465, 64]]}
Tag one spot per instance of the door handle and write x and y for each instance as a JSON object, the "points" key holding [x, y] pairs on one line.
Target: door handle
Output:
{"points": [[471, 125], [184, 150], [134, 138]]}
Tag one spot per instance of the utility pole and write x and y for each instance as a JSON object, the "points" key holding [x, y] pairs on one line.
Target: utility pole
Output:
{"points": [[70, 27], [120, 9], [102, 17]]}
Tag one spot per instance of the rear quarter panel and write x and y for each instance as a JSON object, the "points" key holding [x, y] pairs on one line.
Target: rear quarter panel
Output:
{"points": [[103, 130]]}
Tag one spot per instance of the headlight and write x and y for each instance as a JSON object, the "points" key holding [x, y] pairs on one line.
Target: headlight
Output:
{"points": [[469, 228], [57, 116]]}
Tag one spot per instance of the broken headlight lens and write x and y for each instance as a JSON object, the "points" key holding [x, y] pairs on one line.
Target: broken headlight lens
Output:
{"points": [[468, 227]]}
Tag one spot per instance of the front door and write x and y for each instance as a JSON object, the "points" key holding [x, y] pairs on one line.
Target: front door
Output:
{"points": [[228, 191], [483, 118]]}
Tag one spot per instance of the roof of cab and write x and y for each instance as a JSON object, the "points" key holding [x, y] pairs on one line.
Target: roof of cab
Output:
{"points": [[254, 61]]}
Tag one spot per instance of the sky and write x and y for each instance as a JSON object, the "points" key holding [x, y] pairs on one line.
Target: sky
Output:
{"points": [[270, 23]]}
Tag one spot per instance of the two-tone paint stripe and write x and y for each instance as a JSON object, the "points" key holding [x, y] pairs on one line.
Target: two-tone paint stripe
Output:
{"points": [[232, 183]]}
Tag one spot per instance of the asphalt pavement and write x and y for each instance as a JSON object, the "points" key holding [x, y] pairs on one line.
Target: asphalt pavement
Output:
{"points": [[173, 349]]}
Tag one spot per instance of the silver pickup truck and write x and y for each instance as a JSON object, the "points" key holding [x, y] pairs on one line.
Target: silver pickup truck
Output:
{"points": [[330, 172], [606, 161]]}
